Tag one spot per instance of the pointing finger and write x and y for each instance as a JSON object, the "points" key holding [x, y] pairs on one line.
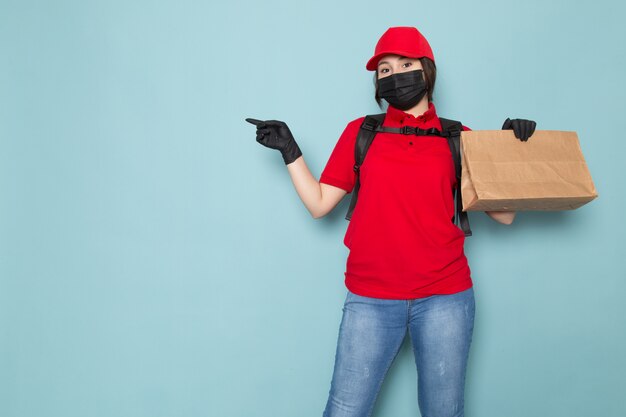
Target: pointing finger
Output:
{"points": [[255, 121]]}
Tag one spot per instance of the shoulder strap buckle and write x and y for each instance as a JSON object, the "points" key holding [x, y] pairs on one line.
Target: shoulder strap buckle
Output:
{"points": [[409, 130], [450, 128]]}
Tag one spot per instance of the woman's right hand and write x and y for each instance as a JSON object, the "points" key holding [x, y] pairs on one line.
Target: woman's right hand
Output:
{"points": [[276, 135]]}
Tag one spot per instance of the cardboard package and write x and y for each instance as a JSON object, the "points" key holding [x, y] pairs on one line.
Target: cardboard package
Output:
{"points": [[500, 172]]}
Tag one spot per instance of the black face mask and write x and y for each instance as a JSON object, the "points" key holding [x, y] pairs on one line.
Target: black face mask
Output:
{"points": [[404, 89]]}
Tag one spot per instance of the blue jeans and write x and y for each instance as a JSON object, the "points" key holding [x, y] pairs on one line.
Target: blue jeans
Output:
{"points": [[371, 333]]}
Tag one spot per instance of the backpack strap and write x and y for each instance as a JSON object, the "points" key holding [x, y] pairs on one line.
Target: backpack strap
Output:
{"points": [[451, 130], [364, 139]]}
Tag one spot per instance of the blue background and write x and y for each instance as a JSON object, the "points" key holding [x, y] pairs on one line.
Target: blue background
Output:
{"points": [[156, 261]]}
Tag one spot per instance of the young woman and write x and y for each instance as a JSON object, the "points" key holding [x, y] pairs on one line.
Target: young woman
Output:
{"points": [[406, 271]]}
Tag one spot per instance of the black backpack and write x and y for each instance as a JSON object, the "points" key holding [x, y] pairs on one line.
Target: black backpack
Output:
{"points": [[451, 130]]}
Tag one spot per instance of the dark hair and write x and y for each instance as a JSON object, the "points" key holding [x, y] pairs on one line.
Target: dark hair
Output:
{"points": [[430, 74]]}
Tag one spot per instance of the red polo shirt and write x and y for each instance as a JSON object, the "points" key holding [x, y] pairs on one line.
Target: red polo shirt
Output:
{"points": [[402, 242]]}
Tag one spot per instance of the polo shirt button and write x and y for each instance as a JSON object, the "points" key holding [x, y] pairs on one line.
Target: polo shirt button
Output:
{"points": [[410, 143]]}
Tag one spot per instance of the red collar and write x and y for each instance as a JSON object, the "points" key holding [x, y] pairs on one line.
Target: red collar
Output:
{"points": [[397, 116]]}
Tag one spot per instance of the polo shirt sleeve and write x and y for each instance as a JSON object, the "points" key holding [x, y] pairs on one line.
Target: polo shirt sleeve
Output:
{"points": [[339, 170], [465, 127]]}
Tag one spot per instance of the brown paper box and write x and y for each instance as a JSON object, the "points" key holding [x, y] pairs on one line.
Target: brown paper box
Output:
{"points": [[500, 172]]}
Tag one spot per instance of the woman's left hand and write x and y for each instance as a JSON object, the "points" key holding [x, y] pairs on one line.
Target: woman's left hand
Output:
{"points": [[522, 128]]}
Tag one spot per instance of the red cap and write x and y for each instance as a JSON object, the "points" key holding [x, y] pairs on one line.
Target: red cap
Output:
{"points": [[401, 40]]}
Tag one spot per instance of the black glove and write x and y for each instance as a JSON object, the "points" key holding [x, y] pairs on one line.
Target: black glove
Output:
{"points": [[276, 135], [522, 128]]}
